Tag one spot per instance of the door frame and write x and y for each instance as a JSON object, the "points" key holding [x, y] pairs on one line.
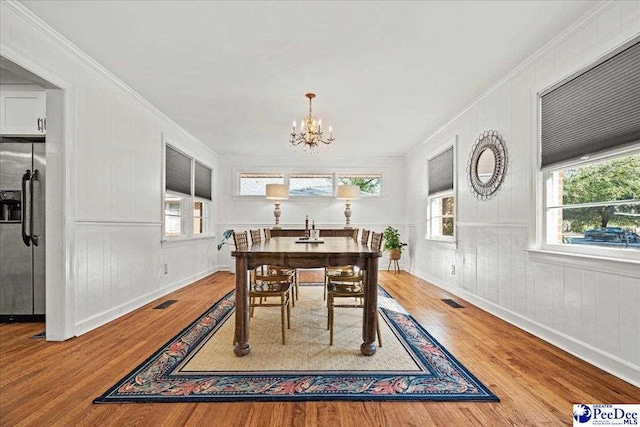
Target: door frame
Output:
{"points": [[60, 217]]}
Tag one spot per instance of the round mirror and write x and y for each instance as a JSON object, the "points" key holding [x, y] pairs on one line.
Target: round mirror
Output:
{"points": [[486, 165]]}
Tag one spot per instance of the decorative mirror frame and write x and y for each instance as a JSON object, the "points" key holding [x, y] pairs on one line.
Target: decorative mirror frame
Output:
{"points": [[488, 140]]}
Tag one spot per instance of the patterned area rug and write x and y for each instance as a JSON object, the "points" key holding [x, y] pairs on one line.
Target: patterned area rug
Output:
{"points": [[198, 365]]}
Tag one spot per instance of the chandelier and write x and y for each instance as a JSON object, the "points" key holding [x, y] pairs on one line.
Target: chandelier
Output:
{"points": [[310, 135]]}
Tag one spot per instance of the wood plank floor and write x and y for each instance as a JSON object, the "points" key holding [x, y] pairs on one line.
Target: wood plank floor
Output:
{"points": [[53, 384]]}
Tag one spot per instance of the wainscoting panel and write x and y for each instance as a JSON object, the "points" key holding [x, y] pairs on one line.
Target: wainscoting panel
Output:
{"points": [[593, 312], [120, 267], [109, 270]]}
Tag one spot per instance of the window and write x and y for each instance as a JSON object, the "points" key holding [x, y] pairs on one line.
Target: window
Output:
{"points": [[202, 183], [590, 159], [199, 218], [441, 196], [188, 195], [173, 221], [254, 184], [595, 204], [311, 184], [441, 212], [370, 185]]}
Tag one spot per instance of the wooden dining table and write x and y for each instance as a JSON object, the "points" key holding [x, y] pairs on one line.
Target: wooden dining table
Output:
{"points": [[288, 252]]}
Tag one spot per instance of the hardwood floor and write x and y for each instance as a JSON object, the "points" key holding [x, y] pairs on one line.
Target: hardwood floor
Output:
{"points": [[53, 384]]}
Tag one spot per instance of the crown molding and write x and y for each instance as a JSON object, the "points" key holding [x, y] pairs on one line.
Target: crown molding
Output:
{"points": [[54, 35], [555, 42]]}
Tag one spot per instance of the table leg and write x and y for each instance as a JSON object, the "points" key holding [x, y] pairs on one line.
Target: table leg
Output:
{"points": [[242, 308], [368, 347]]}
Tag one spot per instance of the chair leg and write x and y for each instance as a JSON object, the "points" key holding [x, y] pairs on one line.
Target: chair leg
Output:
{"points": [[328, 314], [253, 301], [282, 318], [378, 329], [326, 284], [331, 313], [288, 312]]}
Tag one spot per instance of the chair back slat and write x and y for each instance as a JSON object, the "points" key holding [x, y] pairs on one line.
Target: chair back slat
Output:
{"points": [[255, 236], [241, 240], [376, 241], [365, 236]]}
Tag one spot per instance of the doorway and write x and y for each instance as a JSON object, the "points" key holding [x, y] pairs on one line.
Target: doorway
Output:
{"points": [[19, 72]]}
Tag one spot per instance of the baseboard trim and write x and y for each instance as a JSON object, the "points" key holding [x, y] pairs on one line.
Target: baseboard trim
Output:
{"points": [[105, 317], [592, 355]]}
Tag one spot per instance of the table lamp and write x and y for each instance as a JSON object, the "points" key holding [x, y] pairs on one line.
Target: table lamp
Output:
{"points": [[348, 193], [277, 192]]}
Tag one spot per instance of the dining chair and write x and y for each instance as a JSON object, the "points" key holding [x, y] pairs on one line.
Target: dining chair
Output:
{"points": [[267, 233], [376, 241], [365, 236], [265, 288], [241, 239], [255, 236], [346, 286], [330, 272], [274, 269], [355, 234]]}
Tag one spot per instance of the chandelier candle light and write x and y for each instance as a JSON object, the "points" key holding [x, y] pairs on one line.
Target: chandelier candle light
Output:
{"points": [[348, 193], [277, 192], [310, 134]]}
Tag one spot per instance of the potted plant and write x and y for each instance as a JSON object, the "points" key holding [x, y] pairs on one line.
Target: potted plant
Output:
{"points": [[225, 236], [392, 243]]}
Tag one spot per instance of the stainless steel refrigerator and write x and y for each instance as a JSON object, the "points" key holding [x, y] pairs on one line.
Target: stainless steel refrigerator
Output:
{"points": [[22, 229]]}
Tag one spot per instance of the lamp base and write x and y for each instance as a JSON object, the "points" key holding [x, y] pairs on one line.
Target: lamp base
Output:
{"points": [[348, 227], [276, 227]]}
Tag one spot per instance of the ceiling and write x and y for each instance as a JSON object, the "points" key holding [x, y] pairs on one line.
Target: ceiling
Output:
{"points": [[234, 74]]}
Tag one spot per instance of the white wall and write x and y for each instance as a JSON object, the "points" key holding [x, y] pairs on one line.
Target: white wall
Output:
{"points": [[374, 213], [589, 308], [113, 155]]}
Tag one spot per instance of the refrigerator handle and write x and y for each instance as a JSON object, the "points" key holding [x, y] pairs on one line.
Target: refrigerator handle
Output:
{"points": [[34, 177], [25, 237]]}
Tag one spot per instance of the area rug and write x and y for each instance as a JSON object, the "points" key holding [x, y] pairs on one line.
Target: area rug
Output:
{"points": [[198, 365]]}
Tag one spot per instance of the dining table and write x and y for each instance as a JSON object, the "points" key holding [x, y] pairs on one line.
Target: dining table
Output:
{"points": [[293, 252]]}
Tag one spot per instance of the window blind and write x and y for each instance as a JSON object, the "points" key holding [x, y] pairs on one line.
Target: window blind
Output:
{"points": [[440, 170], [598, 110], [178, 171], [203, 181]]}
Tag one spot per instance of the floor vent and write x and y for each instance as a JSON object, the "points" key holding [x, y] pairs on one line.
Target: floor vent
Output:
{"points": [[165, 304], [40, 335], [452, 303]]}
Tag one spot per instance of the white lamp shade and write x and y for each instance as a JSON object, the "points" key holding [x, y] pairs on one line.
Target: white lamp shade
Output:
{"points": [[348, 192], [277, 192]]}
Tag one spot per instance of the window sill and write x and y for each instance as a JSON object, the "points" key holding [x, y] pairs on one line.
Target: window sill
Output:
{"points": [[617, 266], [181, 241], [453, 244]]}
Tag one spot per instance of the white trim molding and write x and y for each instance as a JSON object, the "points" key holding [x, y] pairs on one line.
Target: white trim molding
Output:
{"points": [[107, 316], [619, 266]]}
